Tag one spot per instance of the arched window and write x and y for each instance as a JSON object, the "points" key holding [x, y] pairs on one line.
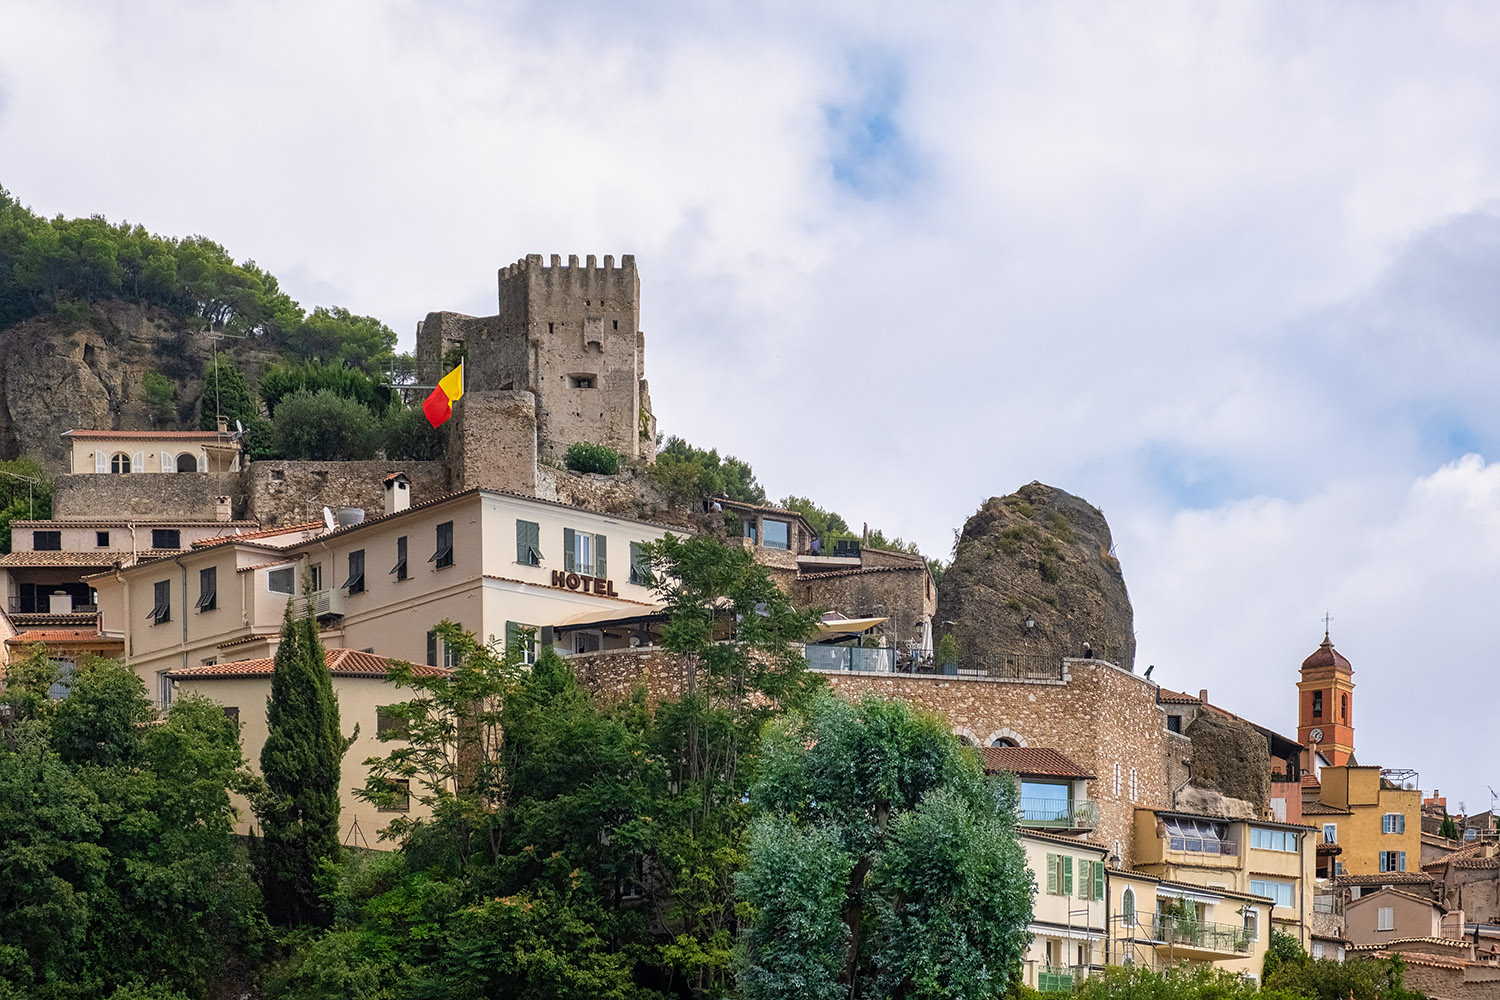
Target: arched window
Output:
{"points": [[119, 463], [1004, 741], [187, 463], [1317, 704], [1127, 908], [965, 739], [1344, 708]]}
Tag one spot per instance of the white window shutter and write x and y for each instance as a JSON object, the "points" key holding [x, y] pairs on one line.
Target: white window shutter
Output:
{"points": [[101, 460], [138, 462], [168, 462]]}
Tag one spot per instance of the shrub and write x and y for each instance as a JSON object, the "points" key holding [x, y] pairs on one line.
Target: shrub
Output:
{"points": [[947, 650], [585, 457], [158, 393], [323, 426]]}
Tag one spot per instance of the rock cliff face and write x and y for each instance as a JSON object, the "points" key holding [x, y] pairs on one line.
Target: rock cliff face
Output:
{"points": [[1043, 554], [1229, 758], [57, 374]]}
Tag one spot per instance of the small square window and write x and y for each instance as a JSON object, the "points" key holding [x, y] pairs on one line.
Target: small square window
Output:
{"points": [[46, 541], [101, 539]]}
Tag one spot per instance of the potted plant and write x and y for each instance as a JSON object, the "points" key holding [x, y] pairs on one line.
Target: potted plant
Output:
{"points": [[947, 652]]}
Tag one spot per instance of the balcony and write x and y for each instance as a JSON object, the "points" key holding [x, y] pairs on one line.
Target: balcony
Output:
{"points": [[41, 604], [1204, 845], [846, 659], [1054, 814], [321, 604], [1188, 937], [993, 666]]}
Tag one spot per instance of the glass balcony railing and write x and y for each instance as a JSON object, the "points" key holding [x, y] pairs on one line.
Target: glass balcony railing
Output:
{"points": [[835, 659], [1057, 813]]}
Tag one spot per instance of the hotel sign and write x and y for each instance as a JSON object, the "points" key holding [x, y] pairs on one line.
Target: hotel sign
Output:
{"points": [[583, 584]]}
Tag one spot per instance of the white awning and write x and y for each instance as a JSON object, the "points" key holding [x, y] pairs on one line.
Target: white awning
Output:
{"points": [[1197, 897], [1071, 933]]}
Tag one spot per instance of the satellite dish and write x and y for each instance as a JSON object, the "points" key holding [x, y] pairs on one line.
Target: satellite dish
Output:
{"points": [[328, 518]]}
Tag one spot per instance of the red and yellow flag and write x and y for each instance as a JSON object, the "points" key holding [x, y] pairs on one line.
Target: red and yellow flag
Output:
{"points": [[438, 406]]}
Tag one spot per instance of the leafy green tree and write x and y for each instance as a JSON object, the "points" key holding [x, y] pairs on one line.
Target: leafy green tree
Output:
{"points": [[282, 379], [930, 881], [25, 494], [694, 472], [584, 457], [117, 870], [824, 522], [1180, 982], [338, 337], [322, 426], [159, 393], [1289, 973], [409, 437], [226, 392], [300, 764]]}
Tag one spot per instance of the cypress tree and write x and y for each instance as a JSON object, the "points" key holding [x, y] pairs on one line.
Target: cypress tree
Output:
{"points": [[300, 762]]}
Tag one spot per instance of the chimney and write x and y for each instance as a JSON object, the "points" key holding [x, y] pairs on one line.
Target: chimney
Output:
{"points": [[1203, 695], [397, 493], [223, 509], [223, 424]]}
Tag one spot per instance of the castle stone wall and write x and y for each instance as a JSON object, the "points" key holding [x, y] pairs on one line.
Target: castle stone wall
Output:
{"points": [[284, 492], [1100, 716], [493, 441], [154, 496]]}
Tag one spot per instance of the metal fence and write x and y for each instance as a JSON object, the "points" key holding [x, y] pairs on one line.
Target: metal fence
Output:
{"points": [[844, 659], [1200, 934]]}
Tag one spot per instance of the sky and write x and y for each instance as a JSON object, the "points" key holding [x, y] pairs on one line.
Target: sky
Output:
{"points": [[1226, 270]]}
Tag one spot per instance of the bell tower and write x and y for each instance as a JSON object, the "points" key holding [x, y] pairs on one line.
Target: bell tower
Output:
{"points": [[1325, 705]]}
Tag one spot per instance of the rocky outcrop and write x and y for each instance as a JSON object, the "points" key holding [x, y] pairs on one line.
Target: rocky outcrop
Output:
{"points": [[59, 373], [1043, 555], [1229, 759]]}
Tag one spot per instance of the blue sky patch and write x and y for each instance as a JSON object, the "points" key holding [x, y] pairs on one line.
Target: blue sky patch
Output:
{"points": [[869, 155]]}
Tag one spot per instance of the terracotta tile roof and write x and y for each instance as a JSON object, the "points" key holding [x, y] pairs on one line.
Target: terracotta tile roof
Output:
{"points": [[1169, 697], [264, 565], [248, 536], [341, 663], [47, 619], [1397, 892], [1030, 761], [86, 560], [1379, 951], [831, 573], [139, 522], [60, 635], [1326, 656], [1385, 879], [1328, 849], [1060, 838], [91, 435], [1319, 809]]}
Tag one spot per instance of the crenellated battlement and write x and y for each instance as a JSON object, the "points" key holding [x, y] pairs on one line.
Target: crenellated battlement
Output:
{"points": [[590, 270]]}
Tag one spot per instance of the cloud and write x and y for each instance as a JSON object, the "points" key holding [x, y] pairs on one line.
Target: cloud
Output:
{"points": [[1222, 269]]}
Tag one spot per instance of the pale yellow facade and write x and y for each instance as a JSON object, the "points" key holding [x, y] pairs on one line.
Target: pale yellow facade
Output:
{"points": [[103, 452], [1384, 824], [480, 583], [359, 698], [1252, 859], [1070, 911]]}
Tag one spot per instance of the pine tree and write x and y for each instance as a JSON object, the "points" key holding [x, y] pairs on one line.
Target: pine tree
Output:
{"points": [[300, 762]]}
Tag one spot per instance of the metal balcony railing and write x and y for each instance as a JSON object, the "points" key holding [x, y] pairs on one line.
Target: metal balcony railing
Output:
{"points": [[1204, 845], [1204, 935]]}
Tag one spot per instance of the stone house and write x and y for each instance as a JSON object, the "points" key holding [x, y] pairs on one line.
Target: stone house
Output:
{"points": [[1468, 879]]}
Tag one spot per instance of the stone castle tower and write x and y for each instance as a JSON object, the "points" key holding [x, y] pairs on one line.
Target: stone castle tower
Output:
{"points": [[563, 361]]}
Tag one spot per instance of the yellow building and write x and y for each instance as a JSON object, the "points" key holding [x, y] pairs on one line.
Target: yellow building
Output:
{"points": [[1268, 866], [1378, 823], [1069, 920], [359, 684]]}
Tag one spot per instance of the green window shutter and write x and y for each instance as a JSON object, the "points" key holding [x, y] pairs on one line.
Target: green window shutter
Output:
{"points": [[1067, 866], [522, 556], [1098, 879], [528, 543], [1052, 874], [568, 560], [512, 636], [602, 569], [534, 539], [1085, 878]]}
